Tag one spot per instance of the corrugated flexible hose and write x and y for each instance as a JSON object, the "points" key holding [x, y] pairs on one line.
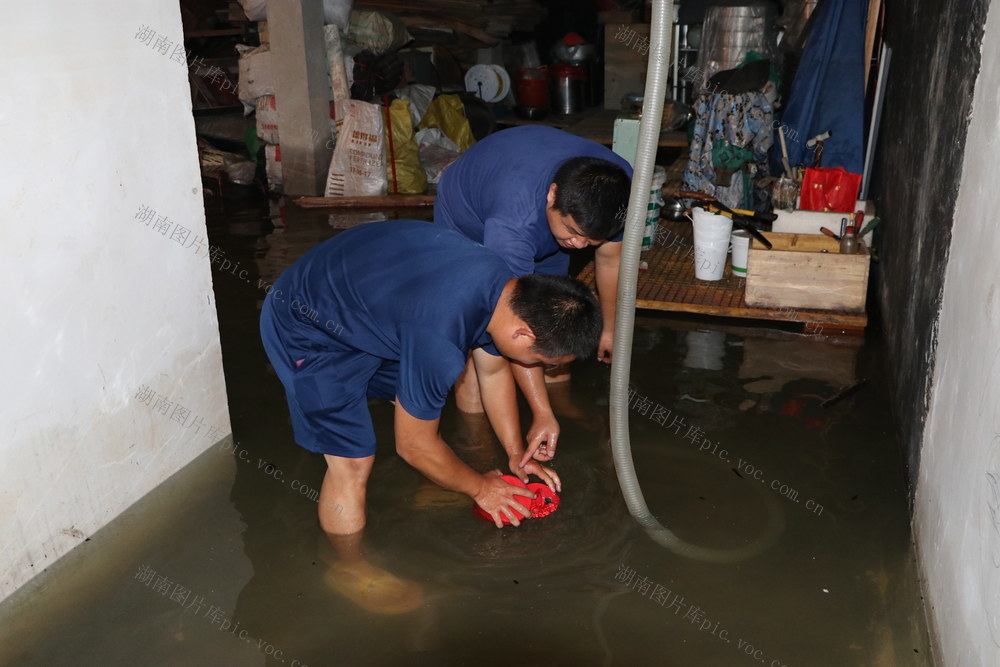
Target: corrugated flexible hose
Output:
{"points": [[649, 131]]}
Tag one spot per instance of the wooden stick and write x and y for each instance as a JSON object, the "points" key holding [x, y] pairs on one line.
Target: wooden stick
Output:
{"points": [[850, 389], [784, 151], [384, 201], [457, 26]]}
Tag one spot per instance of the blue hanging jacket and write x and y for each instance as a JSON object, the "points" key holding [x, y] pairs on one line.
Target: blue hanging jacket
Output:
{"points": [[828, 92]]}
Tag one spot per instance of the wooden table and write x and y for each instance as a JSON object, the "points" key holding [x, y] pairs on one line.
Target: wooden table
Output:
{"points": [[669, 285], [595, 124]]}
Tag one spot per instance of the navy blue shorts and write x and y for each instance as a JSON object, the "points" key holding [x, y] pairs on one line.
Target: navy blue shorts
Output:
{"points": [[328, 391]]}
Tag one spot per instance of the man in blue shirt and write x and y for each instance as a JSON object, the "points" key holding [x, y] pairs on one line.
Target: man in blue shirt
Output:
{"points": [[532, 193], [365, 315]]}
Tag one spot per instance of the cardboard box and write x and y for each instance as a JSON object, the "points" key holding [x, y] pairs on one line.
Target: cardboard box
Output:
{"points": [[626, 50], [617, 16], [796, 273]]}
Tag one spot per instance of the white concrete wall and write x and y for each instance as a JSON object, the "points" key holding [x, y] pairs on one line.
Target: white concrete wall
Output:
{"points": [[957, 514], [96, 125]]}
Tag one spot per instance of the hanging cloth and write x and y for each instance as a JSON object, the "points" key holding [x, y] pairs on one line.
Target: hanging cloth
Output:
{"points": [[729, 130], [828, 92]]}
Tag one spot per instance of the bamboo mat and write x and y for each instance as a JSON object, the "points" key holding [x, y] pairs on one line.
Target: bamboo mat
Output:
{"points": [[669, 285]]}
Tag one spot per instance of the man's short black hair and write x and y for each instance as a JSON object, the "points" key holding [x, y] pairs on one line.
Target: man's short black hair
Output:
{"points": [[562, 313], [594, 192]]}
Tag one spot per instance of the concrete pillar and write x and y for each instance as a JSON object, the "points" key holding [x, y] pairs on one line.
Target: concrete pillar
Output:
{"points": [[302, 93]]}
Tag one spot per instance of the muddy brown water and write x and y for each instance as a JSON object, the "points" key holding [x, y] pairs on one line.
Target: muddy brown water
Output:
{"points": [[224, 563]]}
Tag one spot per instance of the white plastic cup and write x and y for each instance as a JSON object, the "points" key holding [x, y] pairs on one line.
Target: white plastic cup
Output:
{"points": [[711, 244], [740, 242], [654, 206]]}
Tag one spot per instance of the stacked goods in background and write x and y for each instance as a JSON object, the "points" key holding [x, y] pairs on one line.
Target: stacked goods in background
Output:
{"points": [[395, 122], [256, 81]]}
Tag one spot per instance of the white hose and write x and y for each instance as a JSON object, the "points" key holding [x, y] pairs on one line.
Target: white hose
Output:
{"points": [[649, 132]]}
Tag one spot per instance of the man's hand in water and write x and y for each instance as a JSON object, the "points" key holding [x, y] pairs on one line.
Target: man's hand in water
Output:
{"points": [[496, 497], [605, 347], [547, 475], [542, 438]]}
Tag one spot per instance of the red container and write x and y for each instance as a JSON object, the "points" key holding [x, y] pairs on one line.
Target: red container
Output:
{"points": [[545, 503], [533, 88]]}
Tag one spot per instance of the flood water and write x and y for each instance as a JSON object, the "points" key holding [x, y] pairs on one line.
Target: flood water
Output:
{"points": [[225, 564]]}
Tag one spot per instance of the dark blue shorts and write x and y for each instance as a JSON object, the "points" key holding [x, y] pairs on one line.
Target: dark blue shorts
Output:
{"points": [[328, 391]]}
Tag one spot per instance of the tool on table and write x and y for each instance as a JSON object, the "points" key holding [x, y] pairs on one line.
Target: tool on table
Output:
{"points": [[817, 141], [738, 220], [872, 224], [829, 233], [701, 196]]}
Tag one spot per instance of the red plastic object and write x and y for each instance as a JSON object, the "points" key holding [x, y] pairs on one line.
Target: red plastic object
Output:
{"points": [[546, 501], [533, 88], [829, 189]]}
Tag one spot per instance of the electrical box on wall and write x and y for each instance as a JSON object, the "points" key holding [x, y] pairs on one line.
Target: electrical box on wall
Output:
{"points": [[625, 140]]}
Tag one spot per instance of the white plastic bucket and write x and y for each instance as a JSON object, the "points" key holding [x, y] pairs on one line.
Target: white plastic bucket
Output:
{"points": [[740, 241], [705, 349], [711, 244], [654, 206]]}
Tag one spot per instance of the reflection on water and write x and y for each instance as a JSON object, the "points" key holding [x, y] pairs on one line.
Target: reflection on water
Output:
{"points": [[745, 442]]}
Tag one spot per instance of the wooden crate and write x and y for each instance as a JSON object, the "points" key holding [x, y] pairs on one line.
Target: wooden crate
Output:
{"points": [[796, 273]]}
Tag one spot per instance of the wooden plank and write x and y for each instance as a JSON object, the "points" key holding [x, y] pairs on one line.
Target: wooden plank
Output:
{"points": [[600, 127], [457, 26], [551, 120], [871, 27], [385, 201], [498, 19]]}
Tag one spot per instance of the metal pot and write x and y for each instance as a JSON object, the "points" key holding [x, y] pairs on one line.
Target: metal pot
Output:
{"points": [[673, 210]]}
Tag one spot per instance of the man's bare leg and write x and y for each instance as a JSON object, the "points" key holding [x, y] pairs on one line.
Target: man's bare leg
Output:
{"points": [[342, 496], [342, 517], [467, 397]]}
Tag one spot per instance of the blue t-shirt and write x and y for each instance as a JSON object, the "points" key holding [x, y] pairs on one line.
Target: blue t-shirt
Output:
{"points": [[401, 290], [495, 193]]}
